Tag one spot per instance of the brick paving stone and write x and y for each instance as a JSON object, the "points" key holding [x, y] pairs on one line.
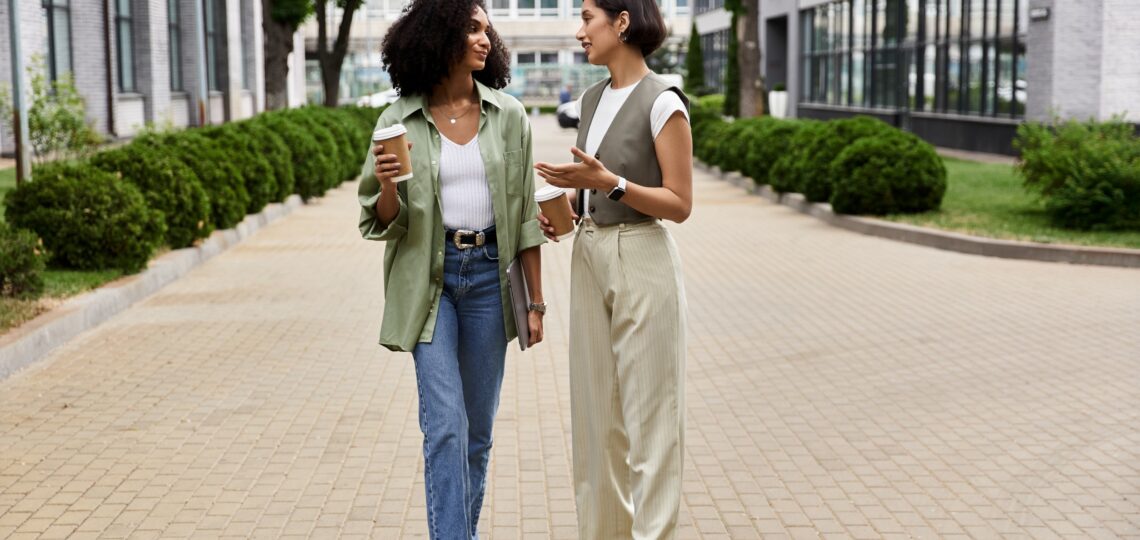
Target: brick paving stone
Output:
{"points": [[837, 386]]}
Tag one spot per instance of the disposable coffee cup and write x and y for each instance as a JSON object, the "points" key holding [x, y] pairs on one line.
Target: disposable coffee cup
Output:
{"points": [[395, 141], [555, 206]]}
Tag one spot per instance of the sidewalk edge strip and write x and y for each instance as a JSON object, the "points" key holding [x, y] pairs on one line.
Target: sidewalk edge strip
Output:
{"points": [[33, 341], [936, 238]]}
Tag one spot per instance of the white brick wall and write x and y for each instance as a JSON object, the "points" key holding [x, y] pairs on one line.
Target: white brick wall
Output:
{"points": [[130, 114], [1120, 67], [1082, 60]]}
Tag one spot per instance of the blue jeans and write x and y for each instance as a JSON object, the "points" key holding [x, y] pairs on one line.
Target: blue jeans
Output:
{"points": [[459, 374]]}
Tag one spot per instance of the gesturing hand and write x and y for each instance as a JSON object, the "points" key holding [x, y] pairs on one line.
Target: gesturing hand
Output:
{"points": [[588, 174]]}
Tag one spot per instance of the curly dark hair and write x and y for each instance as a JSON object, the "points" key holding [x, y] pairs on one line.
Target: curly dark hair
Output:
{"points": [[431, 36]]}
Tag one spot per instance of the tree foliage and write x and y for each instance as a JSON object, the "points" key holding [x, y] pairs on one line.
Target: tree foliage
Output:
{"points": [[694, 65], [57, 116]]}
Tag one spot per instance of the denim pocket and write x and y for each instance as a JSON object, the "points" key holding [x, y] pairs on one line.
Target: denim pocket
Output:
{"points": [[491, 251]]}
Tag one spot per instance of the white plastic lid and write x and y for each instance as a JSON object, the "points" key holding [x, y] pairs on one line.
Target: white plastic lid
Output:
{"points": [[393, 130], [547, 193]]}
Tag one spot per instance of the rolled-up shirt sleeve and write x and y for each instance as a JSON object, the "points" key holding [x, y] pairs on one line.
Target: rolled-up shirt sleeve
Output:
{"points": [[530, 233], [368, 193]]}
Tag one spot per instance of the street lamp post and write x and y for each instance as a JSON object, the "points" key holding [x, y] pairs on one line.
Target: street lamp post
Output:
{"points": [[19, 110]]}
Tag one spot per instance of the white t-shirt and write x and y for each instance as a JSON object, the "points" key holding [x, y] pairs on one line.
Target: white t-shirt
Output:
{"points": [[663, 108]]}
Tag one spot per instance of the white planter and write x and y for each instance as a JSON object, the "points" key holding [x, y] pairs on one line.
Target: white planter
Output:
{"points": [[778, 104]]}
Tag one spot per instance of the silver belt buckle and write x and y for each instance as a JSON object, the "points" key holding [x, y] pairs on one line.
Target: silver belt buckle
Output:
{"points": [[480, 238]]}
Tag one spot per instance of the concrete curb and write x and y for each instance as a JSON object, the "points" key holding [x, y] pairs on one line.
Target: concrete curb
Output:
{"points": [[951, 241], [36, 338]]}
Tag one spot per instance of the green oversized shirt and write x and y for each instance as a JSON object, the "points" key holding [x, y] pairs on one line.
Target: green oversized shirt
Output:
{"points": [[413, 260]]}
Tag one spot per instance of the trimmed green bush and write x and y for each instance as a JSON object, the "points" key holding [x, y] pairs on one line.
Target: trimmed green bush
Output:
{"points": [[1102, 191], [22, 262], [88, 219], [330, 156], [737, 139], [784, 175], [1088, 173], [892, 172], [309, 157], [251, 164], [712, 101], [769, 142], [347, 157], [813, 171], [712, 142], [360, 131], [213, 165], [169, 187], [276, 152]]}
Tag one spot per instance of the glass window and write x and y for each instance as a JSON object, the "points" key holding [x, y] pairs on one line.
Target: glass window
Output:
{"points": [[1005, 77], [910, 21], [215, 31], [949, 56], [976, 18], [548, 58], [246, 54], [549, 8], [58, 15], [1006, 17], [125, 44], [526, 58], [975, 74], [174, 33], [953, 18], [501, 7], [931, 12], [953, 78], [527, 7]]}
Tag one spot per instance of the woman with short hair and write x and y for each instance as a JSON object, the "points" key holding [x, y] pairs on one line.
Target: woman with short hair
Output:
{"points": [[451, 232], [627, 312]]}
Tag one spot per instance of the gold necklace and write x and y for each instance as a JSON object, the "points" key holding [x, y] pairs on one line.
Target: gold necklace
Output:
{"points": [[451, 118]]}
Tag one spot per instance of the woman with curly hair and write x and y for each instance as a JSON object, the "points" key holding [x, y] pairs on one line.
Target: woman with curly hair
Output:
{"points": [[633, 168], [451, 231]]}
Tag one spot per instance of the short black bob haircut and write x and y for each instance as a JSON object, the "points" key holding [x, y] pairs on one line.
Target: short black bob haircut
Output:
{"points": [[431, 36], [646, 26]]}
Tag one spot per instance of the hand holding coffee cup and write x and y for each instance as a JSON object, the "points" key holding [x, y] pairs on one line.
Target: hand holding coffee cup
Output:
{"points": [[555, 217], [392, 153]]}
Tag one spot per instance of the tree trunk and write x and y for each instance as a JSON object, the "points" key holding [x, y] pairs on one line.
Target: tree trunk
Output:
{"points": [[278, 45], [331, 61], [751, 86]]}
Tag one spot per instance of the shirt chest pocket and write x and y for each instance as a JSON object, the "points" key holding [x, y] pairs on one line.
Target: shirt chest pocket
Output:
{"points": [[514, 172]]}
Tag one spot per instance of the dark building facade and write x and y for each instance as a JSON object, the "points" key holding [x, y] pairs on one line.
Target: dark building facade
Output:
{"points": [[959, 73]]}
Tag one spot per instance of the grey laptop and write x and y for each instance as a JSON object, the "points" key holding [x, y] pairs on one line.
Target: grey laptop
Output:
{"points": [[520, 300]]}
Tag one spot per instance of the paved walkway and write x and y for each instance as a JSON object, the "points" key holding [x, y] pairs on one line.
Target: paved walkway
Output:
{"points": [[838, 386]]}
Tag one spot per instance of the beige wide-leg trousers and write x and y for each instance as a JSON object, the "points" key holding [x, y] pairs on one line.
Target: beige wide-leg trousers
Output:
{"points": [[627, 365]]}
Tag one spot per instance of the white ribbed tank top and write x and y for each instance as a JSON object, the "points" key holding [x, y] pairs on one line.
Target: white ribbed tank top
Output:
{"points": [[463, 189]]}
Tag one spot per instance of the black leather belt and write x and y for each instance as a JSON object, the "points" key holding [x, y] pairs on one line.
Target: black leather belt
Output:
{"points": [[464, 239]]}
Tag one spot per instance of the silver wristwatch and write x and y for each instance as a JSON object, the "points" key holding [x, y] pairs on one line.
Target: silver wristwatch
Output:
{"points": [[539, 307]]}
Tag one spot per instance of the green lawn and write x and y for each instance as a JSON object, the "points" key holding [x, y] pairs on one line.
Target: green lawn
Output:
{"points": [[58, 286], [986, 199]]}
